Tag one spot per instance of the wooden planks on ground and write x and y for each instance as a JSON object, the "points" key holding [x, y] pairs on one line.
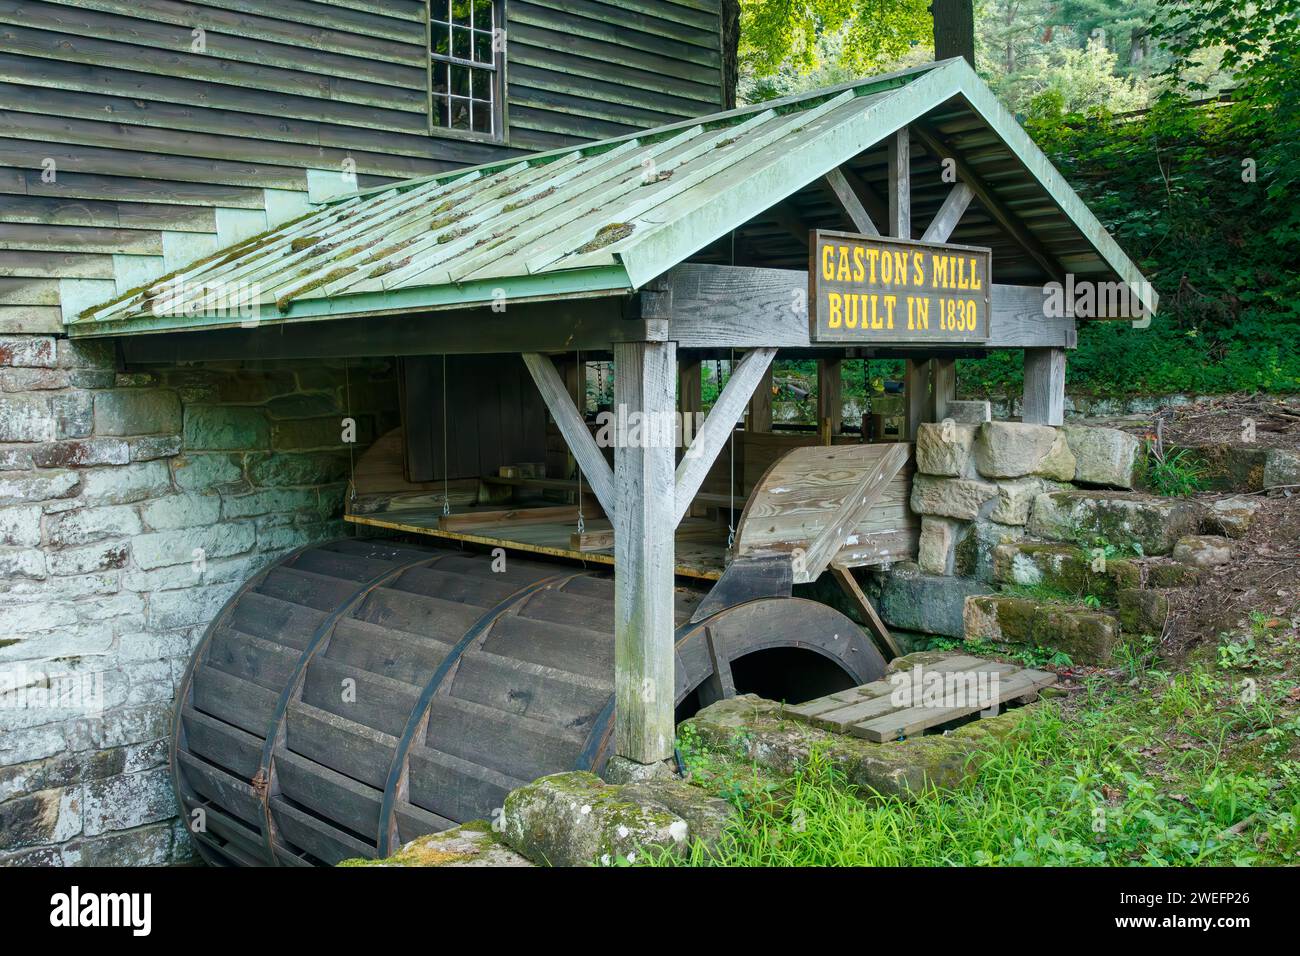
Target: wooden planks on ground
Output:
{"points": [[910, 703]]}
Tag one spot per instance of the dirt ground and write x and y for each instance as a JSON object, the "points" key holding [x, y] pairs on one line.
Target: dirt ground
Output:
{"points": [[1264, 576]]}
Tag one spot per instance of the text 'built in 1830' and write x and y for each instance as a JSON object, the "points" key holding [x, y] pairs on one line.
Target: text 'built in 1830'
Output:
{"points": [[867, 289]]}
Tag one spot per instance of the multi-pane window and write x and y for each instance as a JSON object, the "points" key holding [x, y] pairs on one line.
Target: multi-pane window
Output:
{"points": [[465, 64]]}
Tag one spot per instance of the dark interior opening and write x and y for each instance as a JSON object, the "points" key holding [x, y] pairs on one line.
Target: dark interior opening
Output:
{"points": [[789, 674]]}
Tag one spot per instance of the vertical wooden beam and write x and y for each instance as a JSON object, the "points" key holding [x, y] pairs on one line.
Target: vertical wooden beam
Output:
{"points": [[830, 395], [1044, 398], [900, 184], [917, 397], [943, 384], [644, 381], [760, 405]]}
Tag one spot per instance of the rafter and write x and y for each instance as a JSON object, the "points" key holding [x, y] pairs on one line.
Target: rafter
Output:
{"points": [[994, 206]]}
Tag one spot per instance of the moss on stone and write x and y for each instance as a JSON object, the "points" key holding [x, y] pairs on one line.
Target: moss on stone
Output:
{"points": [[757, 730], [303, 242]]}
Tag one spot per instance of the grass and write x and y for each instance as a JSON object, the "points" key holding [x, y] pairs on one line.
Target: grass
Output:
{"points": [[1179, 475], [1199, 767]]}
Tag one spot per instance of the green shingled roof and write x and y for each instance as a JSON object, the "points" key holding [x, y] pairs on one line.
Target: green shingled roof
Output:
{"points": [[599, 219]]}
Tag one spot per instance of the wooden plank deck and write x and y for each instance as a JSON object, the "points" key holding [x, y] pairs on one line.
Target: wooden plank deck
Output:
{"points": [[894, 709], [701, 545]]}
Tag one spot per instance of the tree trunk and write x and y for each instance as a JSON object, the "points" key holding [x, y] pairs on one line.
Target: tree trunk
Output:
{"points": [[730, 52], [954, 29]]}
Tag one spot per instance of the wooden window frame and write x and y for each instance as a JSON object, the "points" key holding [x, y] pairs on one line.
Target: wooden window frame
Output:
{"points": [[497, 69]]}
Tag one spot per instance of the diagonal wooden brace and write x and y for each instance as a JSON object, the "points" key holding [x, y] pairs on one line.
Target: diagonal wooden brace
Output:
{"points": [[717, 428], [576, 434]]}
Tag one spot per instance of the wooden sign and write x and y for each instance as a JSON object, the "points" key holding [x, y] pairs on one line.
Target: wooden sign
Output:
{"points": [[868, 289]]}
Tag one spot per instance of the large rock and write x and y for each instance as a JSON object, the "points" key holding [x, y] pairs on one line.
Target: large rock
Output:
{"points": [[938, 538], [1203, 550], [576, 819], [1016, 449], [950, 497], [756, 731], [1229, 466], [1281, 467], [944, 449], [1085, 635], [471, 844], [1119, 518], [925, 603], [973, 555], [1016, 499], [1065, 569], [1231, 517], [1143, 611], [1103, 456]]}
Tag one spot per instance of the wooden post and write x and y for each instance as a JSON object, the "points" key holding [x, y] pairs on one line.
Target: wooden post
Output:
{"points": [[760, 405], [900, 184], [690, 385], [644, 381], [943, 372], [917, 397], [830, 395], [1044, 399]]}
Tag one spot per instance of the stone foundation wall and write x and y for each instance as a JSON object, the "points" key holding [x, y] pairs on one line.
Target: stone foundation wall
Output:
{"points": [[1035, 535], [133, 502]]}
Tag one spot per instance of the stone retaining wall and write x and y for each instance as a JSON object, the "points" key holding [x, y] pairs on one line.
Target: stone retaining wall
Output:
{"points": [[1037, 535], [133, 502]]}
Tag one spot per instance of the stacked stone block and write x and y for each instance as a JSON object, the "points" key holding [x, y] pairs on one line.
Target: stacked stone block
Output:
{"points": [[1008, 504], [133, 502]]}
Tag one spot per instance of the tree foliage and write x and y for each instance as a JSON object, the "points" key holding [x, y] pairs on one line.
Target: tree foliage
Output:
{"points": [[777, 33]]}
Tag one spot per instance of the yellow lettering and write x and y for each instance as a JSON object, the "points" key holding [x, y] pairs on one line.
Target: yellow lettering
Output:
{"points": [[873, 256], [828, 272], [940, 269], [918, 268], [900, 267], [859, 269], [890, 302], [842, 274], [923, 314], [836, 317]]}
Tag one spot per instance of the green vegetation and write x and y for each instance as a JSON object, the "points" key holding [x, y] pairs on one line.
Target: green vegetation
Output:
{"points": [[1166, 769], [1198, 190], [1177, 475]]}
